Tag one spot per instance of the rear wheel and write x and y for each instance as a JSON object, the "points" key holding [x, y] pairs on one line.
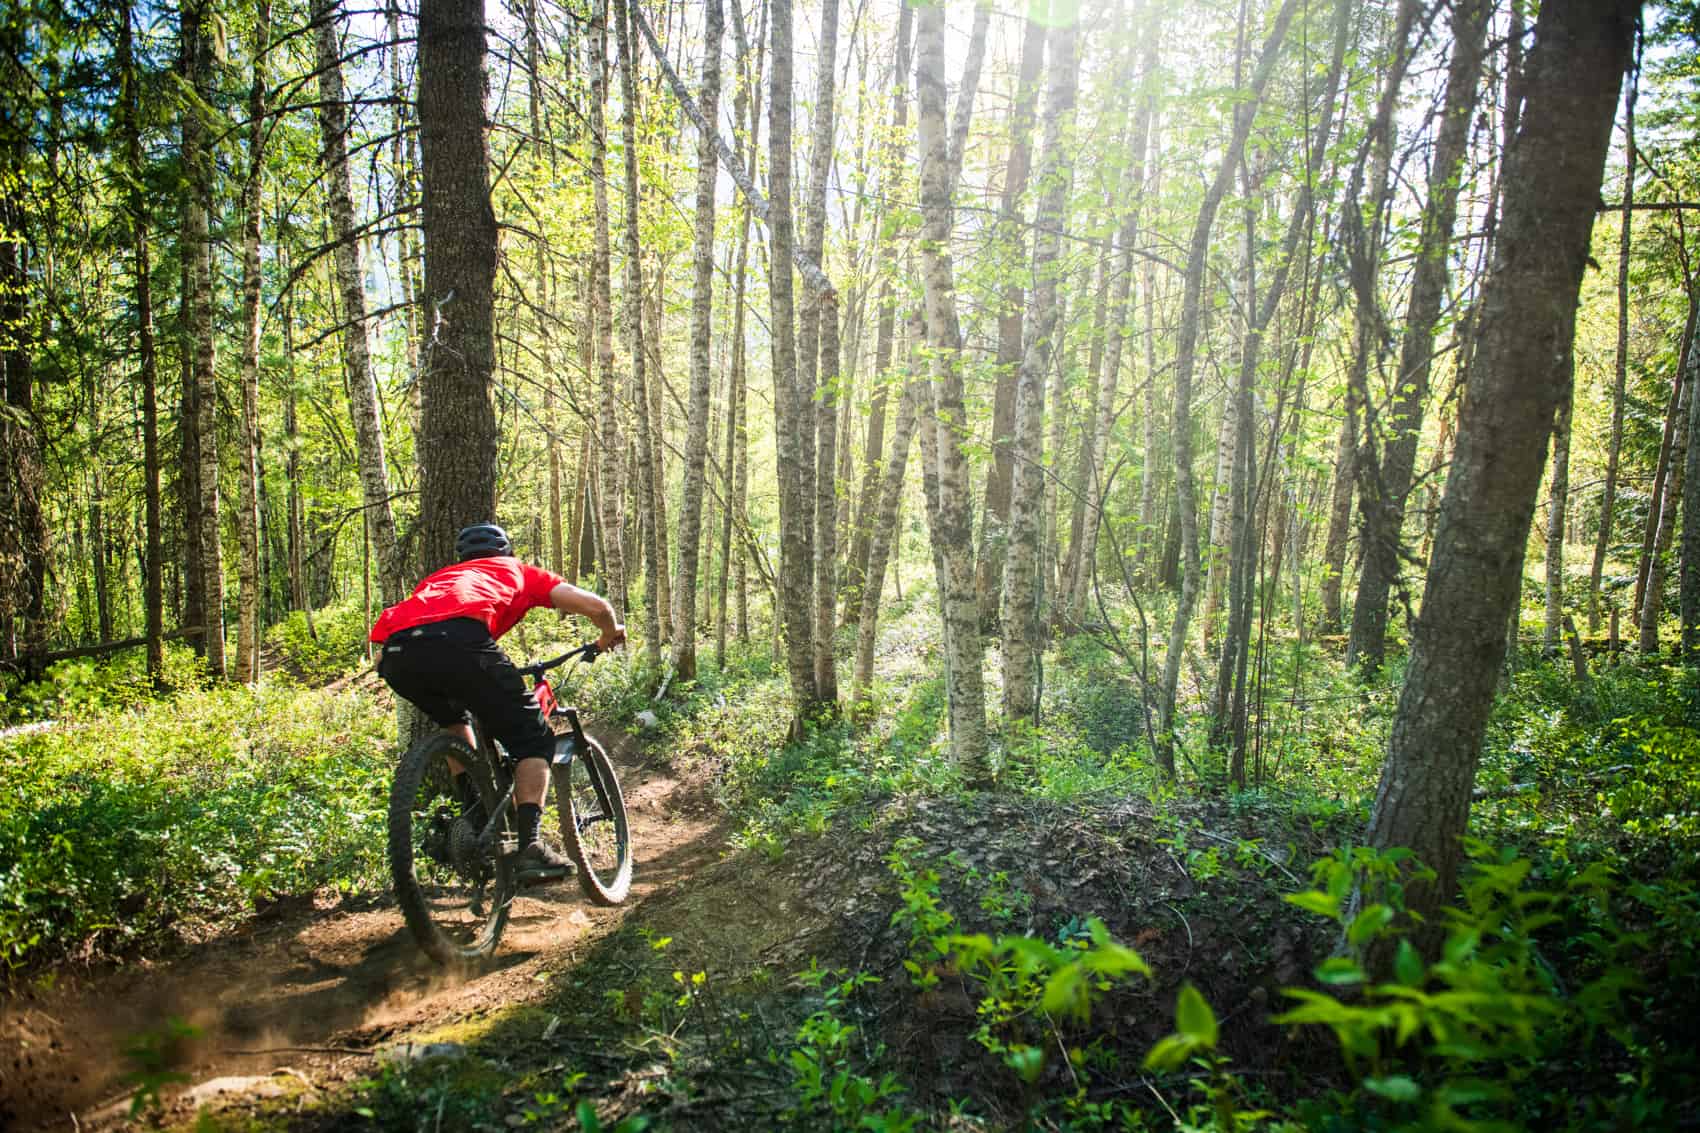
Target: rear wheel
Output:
{"points": [[454, 895], [593, 823]]}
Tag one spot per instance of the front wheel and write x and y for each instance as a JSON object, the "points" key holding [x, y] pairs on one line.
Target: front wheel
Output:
{"points": [[593, 821], [454, 895]]}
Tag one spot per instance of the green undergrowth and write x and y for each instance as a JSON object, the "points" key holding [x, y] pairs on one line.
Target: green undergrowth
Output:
{"points": [[125, 823]]}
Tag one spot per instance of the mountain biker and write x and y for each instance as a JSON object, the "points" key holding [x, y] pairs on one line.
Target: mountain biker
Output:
{"points": [[440, 652]]}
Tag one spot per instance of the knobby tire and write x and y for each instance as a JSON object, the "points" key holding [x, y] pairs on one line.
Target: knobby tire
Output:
{"points": [[594, 824], [410, 780]]}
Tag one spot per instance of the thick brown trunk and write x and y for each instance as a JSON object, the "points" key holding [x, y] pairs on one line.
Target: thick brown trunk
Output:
{"points": [[202, 341], [1528, 320], [457, 419]]}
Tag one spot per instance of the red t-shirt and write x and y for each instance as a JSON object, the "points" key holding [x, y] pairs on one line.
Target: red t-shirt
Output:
{"points": [[496, 591]]}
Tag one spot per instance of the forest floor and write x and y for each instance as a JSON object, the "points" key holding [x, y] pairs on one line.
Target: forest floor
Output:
{"points": [[313, 988], [688, 1003]]}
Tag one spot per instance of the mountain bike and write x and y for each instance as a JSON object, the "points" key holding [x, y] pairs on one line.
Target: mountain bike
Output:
{"points": [[455, 881]]}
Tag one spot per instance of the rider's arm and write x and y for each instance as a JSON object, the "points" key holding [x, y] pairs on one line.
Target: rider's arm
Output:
{"points": [[569, 599]]}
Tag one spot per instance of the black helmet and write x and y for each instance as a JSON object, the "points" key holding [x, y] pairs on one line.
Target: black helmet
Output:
{"points": [[481, 541]]}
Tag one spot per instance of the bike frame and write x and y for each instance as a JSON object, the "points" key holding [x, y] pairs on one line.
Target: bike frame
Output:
{"points": [[565, 750]]}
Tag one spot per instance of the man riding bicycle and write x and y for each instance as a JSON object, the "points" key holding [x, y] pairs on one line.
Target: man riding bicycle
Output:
{"points": [[440, 653]]}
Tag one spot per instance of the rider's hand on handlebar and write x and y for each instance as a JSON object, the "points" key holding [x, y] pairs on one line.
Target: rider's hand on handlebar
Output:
{"points": [[616, 635]]}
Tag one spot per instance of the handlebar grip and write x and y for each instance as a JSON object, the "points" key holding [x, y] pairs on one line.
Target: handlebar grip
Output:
{"points": [[591, 651]]}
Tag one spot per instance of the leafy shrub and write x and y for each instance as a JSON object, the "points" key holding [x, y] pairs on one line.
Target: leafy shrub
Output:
{"points": [[186, 811], [335, 643]]}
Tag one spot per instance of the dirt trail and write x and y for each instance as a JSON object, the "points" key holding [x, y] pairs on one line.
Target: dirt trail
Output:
{"points": [[316, 988]]}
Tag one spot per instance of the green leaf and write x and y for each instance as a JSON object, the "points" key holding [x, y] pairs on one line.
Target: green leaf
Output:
{"points": [[1407, 965], [1396, 1087], [1316, 901], [1194, 1018], [1170, 1053], [1339, 970], [1367, 925]]}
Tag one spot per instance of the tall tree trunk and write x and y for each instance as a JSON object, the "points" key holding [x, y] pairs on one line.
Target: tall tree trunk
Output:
{"points": [[1023, 587], [642, 426], [137, 206], [1186, 361], [879, 550], [1229, 708], [543, 311], [702, 314], [1528, 319], [248, 513], [1385, 514], [199, 171], [1011, 242], [891, 174], [746, 105], [611, 455], [815, 368], [796, 536], [1666, 503], [1558, 498], [1690, 568], [953, 532], [1081, 559], [458, 466], [351, 288], [1614, 447]]}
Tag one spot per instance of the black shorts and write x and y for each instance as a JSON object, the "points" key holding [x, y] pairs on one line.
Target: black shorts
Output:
{"points": [[453, 670]]}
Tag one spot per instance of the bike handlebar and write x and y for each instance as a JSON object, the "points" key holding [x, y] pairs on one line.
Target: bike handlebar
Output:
{"points": [[587, 652]]}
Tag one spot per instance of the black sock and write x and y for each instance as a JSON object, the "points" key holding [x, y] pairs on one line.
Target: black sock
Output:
{"points": [[530, 823]]}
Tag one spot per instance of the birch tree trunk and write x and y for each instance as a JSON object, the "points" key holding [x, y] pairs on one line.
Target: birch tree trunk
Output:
{"points": [[611, 454], [1528, 320], [796, 537], [880, 545], [953, 532], [891, 175], [814, 367], [1022, 585], [1011, 239], [702, 313], [351, 276], [642, 426], [248, 512]]}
